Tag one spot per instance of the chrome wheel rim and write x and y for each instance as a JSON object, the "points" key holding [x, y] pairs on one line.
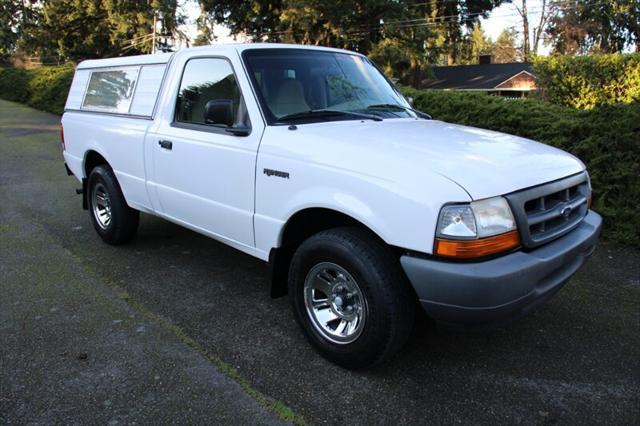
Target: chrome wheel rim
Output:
{"points": [[101, 206], [334, 302]]}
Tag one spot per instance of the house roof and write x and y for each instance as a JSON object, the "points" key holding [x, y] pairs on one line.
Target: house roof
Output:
{"points": [[475, 77]]}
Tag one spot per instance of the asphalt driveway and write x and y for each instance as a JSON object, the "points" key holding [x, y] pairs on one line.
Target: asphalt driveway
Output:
{"points": [[179, 328]]}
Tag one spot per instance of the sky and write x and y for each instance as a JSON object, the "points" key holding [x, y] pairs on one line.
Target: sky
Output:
{"points": [[500, 18], [507, 16]]}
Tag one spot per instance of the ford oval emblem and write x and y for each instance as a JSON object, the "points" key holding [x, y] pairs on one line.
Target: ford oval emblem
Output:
{"points": [[565, 212]]}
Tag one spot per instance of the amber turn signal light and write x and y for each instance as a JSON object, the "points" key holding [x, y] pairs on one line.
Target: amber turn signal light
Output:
{"points": [[468, 249]]}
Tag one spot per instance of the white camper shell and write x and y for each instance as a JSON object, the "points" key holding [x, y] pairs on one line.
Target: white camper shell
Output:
{"points": [[132, 82]]}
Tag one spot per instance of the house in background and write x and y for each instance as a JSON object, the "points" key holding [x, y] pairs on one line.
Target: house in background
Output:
{"points": [[514, 80]]}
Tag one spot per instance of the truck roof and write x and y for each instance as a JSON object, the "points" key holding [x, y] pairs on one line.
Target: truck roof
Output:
{"points": [[158, 58], [246, 46], [163, 58]]}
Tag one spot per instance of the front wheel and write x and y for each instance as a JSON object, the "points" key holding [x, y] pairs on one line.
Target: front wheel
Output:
{"points": [[350, 297]]}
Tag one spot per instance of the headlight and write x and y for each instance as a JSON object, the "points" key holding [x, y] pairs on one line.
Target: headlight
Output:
{"points": [[457, 222], [476, 229], [479, 219]]}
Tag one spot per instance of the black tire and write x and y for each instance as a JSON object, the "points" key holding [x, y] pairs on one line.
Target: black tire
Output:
{"points": [[390, 302], [123, 222]]}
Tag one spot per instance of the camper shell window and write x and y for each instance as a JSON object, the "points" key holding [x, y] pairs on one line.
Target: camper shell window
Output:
{"points": [[111, 90], [128, 90]]}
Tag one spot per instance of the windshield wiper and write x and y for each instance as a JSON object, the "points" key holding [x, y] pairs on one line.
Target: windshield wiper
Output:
{"points": [[326, 113], [398, 107]]}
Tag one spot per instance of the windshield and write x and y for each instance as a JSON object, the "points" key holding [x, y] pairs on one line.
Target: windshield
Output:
{"points": [[294, 81]]}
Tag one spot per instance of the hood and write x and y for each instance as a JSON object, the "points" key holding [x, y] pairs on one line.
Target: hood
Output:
{"points": [[483, 162]]}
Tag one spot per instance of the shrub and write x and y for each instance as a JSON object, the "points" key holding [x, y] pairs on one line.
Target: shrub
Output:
{"points": [[606, 139], [588, 81], [49, 87], [14, 85], [45, 88]]}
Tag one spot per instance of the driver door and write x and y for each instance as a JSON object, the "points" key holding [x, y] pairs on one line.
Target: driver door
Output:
{"points": [[203, 175]]}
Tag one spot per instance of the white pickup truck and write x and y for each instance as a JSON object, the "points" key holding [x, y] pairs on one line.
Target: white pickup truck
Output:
{"points": [[310, 159]]}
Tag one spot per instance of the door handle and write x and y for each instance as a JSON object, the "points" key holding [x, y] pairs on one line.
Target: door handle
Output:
{"points": [[165, 144]]}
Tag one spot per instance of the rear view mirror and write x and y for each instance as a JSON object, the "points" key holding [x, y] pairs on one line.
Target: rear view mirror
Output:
{"points": [[219, 112]]}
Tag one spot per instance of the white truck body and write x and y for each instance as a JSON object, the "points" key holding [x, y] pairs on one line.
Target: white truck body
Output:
{"points": [[392, 176]]}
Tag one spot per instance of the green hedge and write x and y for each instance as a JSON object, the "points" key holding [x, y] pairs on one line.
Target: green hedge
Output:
{"points": [[43, 88], [606, 139], [14, 85], [586, 82]]}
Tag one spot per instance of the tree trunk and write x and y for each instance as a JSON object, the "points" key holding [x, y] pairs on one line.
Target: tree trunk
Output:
{"points": [[453, 41], [525, 29], [538, 31]]}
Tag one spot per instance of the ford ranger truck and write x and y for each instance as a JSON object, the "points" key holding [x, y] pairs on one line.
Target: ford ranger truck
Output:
{"points": [[308, 158]]}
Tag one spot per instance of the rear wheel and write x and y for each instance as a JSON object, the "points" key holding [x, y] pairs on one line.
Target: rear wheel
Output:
{"points": [[112, 218], [350, 297]]}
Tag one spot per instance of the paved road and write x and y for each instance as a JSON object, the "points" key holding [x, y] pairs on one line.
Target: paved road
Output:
{"points": [[179, 326], [74, 346]]}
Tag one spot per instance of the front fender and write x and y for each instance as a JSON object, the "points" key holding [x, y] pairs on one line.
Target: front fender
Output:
{"points": [[402, 213]]}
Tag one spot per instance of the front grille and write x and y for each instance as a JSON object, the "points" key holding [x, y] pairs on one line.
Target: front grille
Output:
{"points": [[547, 211]]}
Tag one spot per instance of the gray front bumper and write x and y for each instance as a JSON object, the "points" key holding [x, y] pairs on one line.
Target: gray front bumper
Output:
{"points": [[502, 288]]}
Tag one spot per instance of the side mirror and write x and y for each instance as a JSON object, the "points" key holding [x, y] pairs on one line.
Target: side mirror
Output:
{"points": [[219, 112], [410, 100]]}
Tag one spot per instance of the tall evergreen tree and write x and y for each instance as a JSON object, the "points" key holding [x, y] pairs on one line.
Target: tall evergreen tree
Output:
{"points": [[79, 29], [257, 19], [504, 48], [16, 18], [476, 44], [205, 29], [583, 26], [9, 21], [354, 24], [457, 14], [411, 42]]}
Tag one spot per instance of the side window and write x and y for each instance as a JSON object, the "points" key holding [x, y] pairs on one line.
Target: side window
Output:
{"points": [[209, 94], [111, 91], [147, 88]]}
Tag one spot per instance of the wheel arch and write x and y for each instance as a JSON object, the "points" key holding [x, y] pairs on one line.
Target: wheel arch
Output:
{"points": [[300, 226], [92, 159]]}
